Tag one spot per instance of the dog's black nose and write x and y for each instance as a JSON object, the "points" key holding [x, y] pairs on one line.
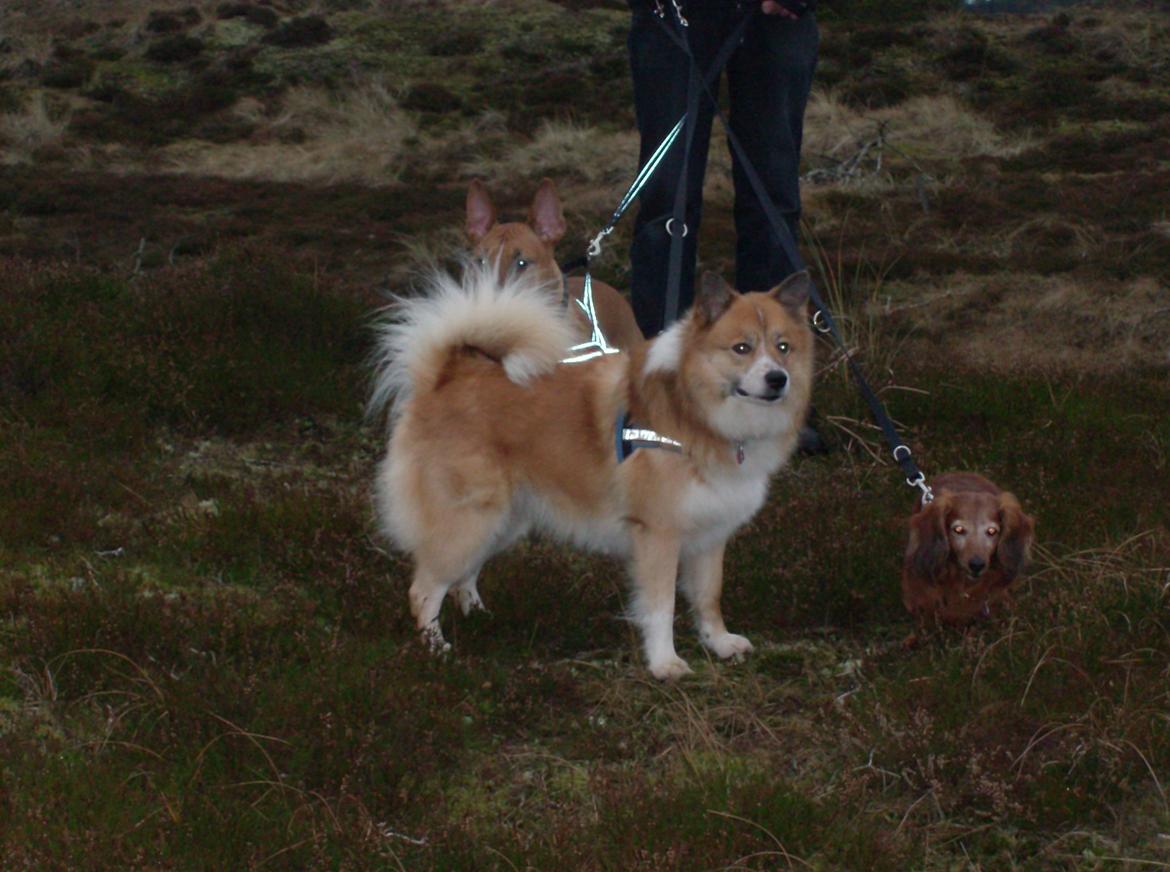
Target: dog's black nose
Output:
{"points": [[976, 565], [776, 380]]}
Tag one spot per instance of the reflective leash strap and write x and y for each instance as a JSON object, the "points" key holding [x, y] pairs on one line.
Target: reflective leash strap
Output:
{"points": [[656, 157], [635, 188], [596, 345], [823, 319]]}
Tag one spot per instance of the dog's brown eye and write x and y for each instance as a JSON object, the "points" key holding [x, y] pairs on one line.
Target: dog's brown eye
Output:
{"points": [[741, 348], [993, 531], [782, 347], [959, 529]]}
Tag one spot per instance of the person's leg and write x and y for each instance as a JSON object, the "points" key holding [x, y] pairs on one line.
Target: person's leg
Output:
{"points": [[660, 73], [769, 79]]}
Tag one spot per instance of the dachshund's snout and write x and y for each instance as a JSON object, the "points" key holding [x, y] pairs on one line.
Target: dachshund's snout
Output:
{"points": [[976, 565]]}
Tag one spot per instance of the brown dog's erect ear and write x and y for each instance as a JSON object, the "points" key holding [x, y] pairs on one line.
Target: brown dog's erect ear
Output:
{"points": [[481, 214], [1015, 538], [545, 214], [713, 299], [793, 292], [929, 545]]}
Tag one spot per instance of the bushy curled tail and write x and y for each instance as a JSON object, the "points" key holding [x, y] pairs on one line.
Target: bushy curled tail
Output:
{"points": [[519, 323]]}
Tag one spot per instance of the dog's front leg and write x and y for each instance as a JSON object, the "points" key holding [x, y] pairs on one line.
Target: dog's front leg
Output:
{"points": [[701, 580], [655, 573]]}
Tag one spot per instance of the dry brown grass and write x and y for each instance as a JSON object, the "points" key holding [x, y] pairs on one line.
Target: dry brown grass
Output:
{"points": [[1051, 325], [31, 129], [565, 151], [926, 128], [360, 135], [1133, 37]]}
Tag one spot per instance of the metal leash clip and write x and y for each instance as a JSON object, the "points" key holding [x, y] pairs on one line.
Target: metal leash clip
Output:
{"points": [[918, 482], [595, 245]]}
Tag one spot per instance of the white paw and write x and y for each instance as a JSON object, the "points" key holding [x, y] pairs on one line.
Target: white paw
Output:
{"points": [[432, 638], [670, 668], [728, 645], [468, 600]]}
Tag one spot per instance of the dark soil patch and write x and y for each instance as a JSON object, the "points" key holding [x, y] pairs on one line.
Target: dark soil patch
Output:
{"points": [[1139, 148], [73, 73], [432, 98], [307, 30], [99, 219], [261, 15], [164, 21], [175, 49], [455, 44]]}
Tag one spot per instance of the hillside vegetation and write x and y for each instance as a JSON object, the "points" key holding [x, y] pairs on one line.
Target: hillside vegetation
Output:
{"points": [[206, 655]]}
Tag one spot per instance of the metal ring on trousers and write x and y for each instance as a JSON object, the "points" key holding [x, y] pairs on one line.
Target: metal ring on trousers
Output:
{"points": [[669, 221]]}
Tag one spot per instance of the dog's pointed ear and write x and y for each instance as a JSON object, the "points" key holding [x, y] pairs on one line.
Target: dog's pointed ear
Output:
{"points": [[545, 214], [794, 291], [481, 214], [713, 299], [1016, 532], [929, 546]]}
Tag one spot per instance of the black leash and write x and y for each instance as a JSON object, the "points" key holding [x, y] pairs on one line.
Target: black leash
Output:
{"points": [[695, 82], [823, 319]]}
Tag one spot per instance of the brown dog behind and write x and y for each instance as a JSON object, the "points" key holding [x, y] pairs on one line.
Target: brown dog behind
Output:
{"points": [[966, 549], [530, 246]]}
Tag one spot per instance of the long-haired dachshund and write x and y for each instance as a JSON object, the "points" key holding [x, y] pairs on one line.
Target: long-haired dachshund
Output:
{"points": [[966, 549]]}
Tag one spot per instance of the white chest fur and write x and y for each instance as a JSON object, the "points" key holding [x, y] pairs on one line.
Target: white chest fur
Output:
{"points": [[716, 506]]}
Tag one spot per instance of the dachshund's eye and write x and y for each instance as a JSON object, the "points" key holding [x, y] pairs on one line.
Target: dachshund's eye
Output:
{"points": [[521, 264], [993, 531], [741, 348], [959, 529], [782, 346], [479, 261]]}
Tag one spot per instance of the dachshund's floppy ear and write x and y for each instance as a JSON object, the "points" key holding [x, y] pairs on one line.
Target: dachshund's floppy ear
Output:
{"points": [[1015, 542], [929, 547]]}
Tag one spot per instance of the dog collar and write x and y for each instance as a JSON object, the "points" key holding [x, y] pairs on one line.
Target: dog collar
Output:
{"points": [[628, 439]]}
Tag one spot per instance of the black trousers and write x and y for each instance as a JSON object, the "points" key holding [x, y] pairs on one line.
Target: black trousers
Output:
{"points": [[769, 77]]}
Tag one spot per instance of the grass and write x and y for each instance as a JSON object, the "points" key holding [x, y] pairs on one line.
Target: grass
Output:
{"points": [[206, 659], [358, 136]]}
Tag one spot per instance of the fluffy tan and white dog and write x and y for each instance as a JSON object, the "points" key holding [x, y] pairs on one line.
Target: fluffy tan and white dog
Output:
{"points": [[492, 437]]}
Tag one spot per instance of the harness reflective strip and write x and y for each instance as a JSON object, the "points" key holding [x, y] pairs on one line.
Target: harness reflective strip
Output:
{"points": [[596, 346], [628, 439], [649, 439]]}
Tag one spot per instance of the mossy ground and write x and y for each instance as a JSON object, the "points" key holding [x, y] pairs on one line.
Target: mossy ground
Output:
{"points": [[206, 658]]}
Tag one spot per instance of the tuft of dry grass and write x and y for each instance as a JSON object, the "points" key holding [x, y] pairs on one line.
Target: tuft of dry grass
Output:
{"points": [[938, 128], [1089, 326], [30, 130], [358, 135], [563, 150]]}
